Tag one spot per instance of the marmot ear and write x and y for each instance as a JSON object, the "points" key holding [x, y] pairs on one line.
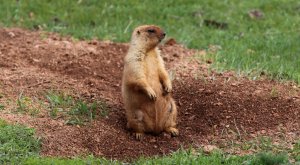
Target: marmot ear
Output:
{"points": [[138, 32]]}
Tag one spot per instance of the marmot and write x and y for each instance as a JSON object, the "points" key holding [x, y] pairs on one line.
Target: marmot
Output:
{"points": [[146, 85]]}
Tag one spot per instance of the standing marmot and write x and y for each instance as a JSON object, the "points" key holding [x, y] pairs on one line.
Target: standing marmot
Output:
{"points": [[146, 85]]}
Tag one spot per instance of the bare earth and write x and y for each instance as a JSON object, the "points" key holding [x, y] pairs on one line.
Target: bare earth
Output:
{"points": [[214, 109]]}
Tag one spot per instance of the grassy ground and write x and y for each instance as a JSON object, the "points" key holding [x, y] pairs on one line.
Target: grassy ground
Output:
{"points": [[18, 145], [182, 157], [61, 105], [252, 46]]}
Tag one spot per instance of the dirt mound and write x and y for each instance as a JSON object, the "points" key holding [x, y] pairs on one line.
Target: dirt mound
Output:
{"points": [[213, 108]]}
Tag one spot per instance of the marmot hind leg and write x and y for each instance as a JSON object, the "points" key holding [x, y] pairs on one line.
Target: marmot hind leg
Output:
{"points": [[170, 126], [136, 124]]}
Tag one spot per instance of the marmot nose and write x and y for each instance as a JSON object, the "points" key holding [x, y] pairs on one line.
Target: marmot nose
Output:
{"points": [[164, 34]]}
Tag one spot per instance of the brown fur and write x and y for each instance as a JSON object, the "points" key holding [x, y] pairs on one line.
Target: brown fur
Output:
{"points": [[146, 85]]}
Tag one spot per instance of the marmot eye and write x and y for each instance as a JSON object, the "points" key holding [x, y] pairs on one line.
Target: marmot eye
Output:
{"points": [[151, 30]]}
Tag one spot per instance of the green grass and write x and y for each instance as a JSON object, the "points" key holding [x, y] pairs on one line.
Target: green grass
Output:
{"points": [[90, 160], [28, 105], [271, 159], [217, 158], [1, 107], [17, 143], [75, 111], [296, 151], [250, 46], [180, 157]]}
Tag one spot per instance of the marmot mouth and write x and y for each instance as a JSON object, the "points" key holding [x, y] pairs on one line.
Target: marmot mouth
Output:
{"points": [[162, 37]]}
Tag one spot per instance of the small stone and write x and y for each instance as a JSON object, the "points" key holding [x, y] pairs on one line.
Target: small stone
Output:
{"points": [[209, 148], [209, 61], [255, 14], [152, 141], [176, 55], [11, 34]]}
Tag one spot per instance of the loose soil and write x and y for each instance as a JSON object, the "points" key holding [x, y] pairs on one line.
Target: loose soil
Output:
{"points": [[214, 108]]}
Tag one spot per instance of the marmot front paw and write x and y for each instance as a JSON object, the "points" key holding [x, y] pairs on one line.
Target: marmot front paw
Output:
{"points": [[151, 94], [167, 87]]}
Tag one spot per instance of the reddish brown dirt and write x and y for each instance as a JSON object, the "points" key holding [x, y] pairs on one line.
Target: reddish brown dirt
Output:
{"points": [[213, 108]]}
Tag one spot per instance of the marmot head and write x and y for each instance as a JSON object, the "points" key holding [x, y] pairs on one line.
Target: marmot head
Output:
{"points": [[147, 36]]}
